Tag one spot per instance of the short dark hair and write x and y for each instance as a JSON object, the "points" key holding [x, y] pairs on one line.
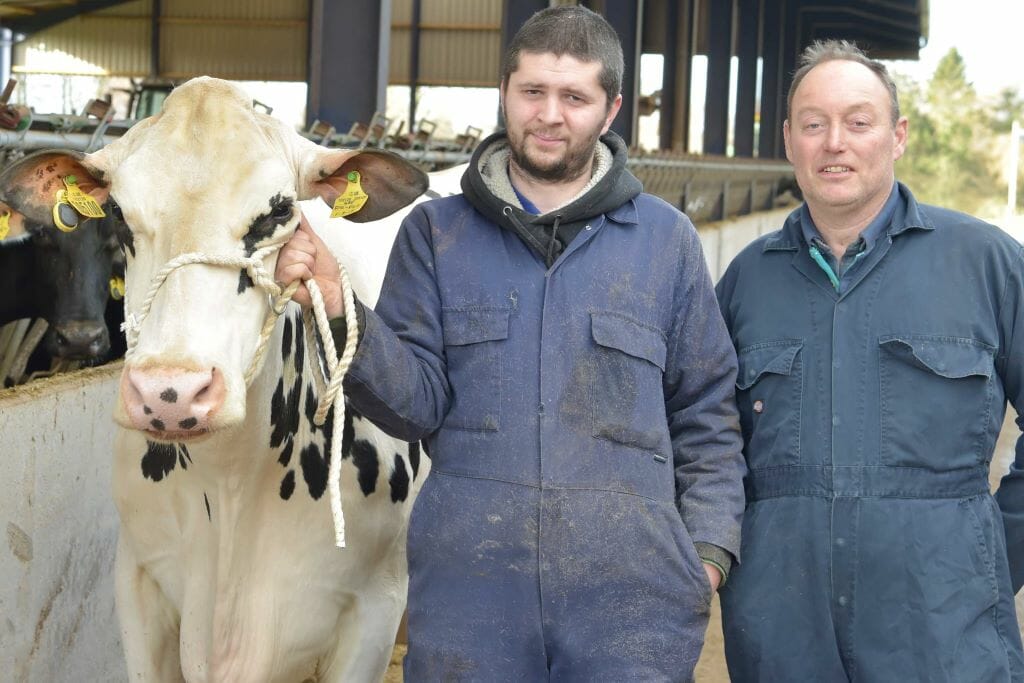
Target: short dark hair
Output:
{"points": [[570, 30], [821, 51]]}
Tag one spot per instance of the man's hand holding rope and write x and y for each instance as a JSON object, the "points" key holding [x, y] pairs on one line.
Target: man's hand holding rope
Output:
{"points": [[305, 256]]}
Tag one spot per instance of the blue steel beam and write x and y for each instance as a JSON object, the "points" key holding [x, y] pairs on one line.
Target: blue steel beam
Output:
{"points": [[716, 103], [348, 60], [746, 78], [625, 18]]}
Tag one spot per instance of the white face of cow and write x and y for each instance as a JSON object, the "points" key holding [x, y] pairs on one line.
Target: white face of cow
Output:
{"points": [[210, 176]]}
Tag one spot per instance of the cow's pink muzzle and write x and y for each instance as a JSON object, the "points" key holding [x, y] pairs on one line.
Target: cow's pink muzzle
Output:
{"points": [[172, 404]]}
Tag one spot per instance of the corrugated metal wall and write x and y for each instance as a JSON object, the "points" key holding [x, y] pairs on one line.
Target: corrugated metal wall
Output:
{"points": [[259, 40], [114, 41], [255, 40], [460, 41]]}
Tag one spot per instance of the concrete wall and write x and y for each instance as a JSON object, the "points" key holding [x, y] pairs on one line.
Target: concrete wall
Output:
{"points": [[723, 240], [57, 620]]}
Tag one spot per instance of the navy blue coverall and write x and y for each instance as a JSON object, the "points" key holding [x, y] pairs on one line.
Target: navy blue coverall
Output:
{"points": [[872, 549]]}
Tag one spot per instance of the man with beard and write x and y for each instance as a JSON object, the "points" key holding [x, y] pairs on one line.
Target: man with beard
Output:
{"points": [[552, 334]]}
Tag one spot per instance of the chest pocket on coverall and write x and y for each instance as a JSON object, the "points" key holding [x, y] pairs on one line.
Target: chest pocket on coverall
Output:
{"points": [[769, 392], [628, 398], [936, 399], [473, 339]]}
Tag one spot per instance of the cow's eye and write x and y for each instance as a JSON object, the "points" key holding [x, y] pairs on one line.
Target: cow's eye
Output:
{"points": [[116, 211]]}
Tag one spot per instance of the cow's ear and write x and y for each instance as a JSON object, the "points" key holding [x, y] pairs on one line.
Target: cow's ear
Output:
{"points": [[389, 181], [12, 222], [30, 186]]}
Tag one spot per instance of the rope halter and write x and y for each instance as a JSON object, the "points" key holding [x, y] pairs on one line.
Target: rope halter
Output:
{"points": [[332, 397]]}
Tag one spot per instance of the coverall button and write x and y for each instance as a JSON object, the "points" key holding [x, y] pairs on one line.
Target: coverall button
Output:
{"points": [[840, 542], [835, 420], [842, 601]]}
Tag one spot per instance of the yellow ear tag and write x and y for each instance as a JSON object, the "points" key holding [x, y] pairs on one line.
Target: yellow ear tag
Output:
{"points": [[64, 215], [5, 224], [352, 199], [116, 288], [83, 203]]}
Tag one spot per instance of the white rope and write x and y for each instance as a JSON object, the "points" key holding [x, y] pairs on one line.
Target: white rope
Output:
{"points": [[332, 397]]}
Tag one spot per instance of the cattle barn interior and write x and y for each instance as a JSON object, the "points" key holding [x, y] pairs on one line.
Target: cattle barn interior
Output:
{"points": [[361, 72]]}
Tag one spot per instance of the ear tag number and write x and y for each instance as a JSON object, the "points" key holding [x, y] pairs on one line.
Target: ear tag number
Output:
{"points": [[116, 288], [5, 224], [352, 199], [83, 203]]}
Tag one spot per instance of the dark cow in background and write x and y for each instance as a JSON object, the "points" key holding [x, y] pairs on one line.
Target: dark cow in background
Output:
{"points": [[62, 277]]}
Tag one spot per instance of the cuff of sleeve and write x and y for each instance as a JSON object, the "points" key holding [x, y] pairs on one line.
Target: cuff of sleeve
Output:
{"points": [[339, 328], [716, 557]]}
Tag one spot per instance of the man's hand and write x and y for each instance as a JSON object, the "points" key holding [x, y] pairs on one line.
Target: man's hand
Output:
{"points": [[714, 576], [305, 257]]}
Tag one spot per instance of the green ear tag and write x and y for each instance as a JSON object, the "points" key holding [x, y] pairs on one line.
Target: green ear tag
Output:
{"points": [[352, 199]]}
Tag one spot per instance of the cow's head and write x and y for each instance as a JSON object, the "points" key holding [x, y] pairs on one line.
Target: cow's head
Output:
{"points": [[71, 271], [211, 176]]}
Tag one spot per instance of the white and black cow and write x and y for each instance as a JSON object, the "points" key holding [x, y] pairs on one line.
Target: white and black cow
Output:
{"points": [[226, 567], [63, 277]]}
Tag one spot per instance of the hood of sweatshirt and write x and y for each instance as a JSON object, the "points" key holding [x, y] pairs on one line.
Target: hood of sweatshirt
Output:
{"points": [[487, 187]]}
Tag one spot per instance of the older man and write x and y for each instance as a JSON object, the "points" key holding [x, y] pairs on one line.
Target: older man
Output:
{"points": [[878, 340]]}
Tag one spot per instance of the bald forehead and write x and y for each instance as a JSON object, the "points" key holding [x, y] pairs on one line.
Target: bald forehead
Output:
{"points": [[840, 82]]}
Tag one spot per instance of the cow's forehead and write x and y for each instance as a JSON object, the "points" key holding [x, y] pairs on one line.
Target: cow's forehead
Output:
{"points": [[207, 159]]}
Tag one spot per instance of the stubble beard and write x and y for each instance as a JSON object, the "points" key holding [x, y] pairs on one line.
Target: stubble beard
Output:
{"points": [[574, 163]]}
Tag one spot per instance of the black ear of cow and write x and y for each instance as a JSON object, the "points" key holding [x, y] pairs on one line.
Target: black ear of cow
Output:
{"points": [[389, 181], [30, 184]]}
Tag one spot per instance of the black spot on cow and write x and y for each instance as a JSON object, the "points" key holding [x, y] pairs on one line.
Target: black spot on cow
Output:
{"points": [[300, 346], [188, 423], [286, 339], [348, 435], [159, 460], [399, 481], [158, 425], [244, 282], [147, 410], [288, 485], [285, 456], [310, 407], [414, 458], [262, 227], [169, 395], [314, 470], [284, 412], [364, 457], [207, 501], [183, 456]]}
